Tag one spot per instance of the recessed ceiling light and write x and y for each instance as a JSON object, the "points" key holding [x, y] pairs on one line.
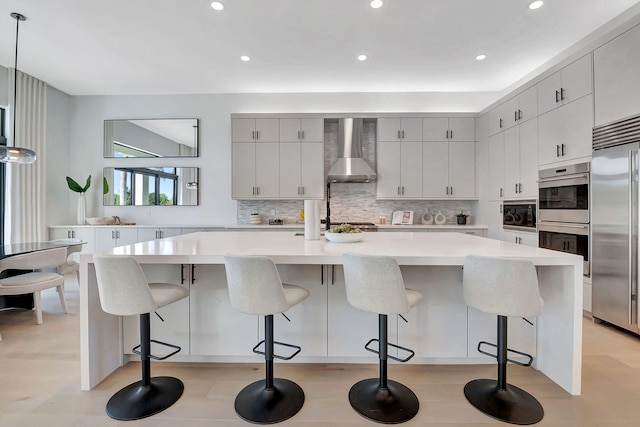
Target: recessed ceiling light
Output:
{"points": [[481, 57], [245, 58], [536, 4], [376, 4], [216, 5], [362, 57]]}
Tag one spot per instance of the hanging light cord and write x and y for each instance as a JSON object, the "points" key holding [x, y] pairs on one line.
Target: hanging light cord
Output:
{"points": [[18, 18]]}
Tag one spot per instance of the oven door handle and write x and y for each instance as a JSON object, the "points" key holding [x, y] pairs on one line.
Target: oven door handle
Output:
{"points": [[578, 179]]}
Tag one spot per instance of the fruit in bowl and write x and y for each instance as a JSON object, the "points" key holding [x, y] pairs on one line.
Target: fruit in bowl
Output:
{"points": [[344, 233], [344, 228]]}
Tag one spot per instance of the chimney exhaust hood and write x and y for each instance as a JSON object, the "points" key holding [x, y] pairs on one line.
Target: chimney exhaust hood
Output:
{"points": [[350, 166]]}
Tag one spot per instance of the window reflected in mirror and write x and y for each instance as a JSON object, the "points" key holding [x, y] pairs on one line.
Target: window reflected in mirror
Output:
{"points": [[151, 186], [151, 138]]}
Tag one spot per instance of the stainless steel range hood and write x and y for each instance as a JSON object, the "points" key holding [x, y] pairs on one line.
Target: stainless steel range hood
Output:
{"points": [[350, 166]]}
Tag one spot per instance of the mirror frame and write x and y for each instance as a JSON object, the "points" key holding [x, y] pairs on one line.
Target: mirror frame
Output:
{"points": [[152, 129]]}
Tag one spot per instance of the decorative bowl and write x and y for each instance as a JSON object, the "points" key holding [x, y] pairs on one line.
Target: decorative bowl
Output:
{"points": [[343, 237], [100, 220]]}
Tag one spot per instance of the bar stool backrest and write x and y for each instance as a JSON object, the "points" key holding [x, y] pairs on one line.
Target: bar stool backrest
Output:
{"points": [[375, 284], [501, 286], [122, 285], [254, 285]]}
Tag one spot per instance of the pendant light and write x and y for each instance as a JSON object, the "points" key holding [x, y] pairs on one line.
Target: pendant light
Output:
{"points": [[16, 154]]}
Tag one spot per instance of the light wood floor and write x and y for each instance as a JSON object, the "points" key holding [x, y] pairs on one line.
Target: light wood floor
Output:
{"points": [[40, 384]]}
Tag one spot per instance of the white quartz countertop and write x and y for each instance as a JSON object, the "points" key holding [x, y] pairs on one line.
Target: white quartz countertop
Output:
{"points": [[286, 226], [409, 248]]}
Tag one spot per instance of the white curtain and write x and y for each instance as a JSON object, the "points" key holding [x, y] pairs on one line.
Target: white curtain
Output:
{"points": [[25, 204]]}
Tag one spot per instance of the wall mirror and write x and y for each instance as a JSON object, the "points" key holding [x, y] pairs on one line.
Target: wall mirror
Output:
{"points": [[151, 138], [151, 186]]}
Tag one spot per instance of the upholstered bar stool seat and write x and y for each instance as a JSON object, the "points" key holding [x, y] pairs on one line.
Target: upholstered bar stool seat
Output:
{"points": [[255, 288], [504, 287], [124, 291], [375, 284]]}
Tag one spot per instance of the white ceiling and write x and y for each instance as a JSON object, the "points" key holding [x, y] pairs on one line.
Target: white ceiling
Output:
{"points": [[90, 47]]}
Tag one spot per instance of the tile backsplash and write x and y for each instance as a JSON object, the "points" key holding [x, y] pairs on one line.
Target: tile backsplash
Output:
{"points": [[354, 202]]}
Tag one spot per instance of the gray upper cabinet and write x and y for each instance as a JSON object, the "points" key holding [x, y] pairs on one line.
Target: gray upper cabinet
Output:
{"points": [[616, 67], [448, 129], [301, 130], [255, 130], [570, 83], [400, 129], [516, 110]]}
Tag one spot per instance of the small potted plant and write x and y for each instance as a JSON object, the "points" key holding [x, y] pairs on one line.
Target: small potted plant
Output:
{"points": [[74, 186]]}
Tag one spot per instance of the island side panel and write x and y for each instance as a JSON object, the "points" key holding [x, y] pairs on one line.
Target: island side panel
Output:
{"points": [[101, 350], [560, 326]]}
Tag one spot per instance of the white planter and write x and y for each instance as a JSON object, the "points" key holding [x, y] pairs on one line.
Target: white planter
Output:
{"points": [[81, 209]]}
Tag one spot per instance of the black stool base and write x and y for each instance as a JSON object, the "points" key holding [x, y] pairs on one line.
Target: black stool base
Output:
{"points": [[393, 405], [136, 401], [259, 405], [512, 405]]}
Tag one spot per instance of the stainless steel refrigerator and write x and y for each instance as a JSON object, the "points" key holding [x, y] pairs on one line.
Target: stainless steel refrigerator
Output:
{"points": [[614, 222]]}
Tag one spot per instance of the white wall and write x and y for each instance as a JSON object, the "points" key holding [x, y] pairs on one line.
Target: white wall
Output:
{"points": [[214, 110]]}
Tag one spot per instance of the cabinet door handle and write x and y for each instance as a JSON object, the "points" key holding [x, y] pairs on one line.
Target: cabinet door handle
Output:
{"points": [[68, 234], [452, 191], [403, 190], [500, 191], [333, 274], [303, 135], [447, 190], [500, 123], [557, 97], [516, 188], [520, 188], [182, 274], [557, 150], [402, 134], [257, 134], [298, 134], [257, 190], [193, 273], [399, 137], [302, 188], [156, 234], [161, 234], [450, 134], [519, 114], [563, 153], [113, 234], [515, 116], [500, 208], [117, 234], [561, 94], [398, 190]]}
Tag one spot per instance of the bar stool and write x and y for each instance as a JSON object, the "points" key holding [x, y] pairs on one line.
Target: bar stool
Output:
{"points": [[505, 287], [124, 291], [375, 284], [255, 288]]}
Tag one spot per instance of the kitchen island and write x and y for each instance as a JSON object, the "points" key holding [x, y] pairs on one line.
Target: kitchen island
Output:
{"points": [[441, 329]]}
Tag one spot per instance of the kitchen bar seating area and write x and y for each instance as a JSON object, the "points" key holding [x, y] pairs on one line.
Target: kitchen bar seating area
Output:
{"points": [[430, 263]]}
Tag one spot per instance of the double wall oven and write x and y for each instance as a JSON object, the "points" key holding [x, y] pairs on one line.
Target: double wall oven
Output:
{"points": [[563, 211]]}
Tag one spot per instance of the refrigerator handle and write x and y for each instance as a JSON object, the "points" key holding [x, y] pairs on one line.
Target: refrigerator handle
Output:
{"points": [[630, 231]]}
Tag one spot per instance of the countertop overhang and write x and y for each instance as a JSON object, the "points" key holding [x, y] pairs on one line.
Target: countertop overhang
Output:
{"points": [[408, 248]]}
